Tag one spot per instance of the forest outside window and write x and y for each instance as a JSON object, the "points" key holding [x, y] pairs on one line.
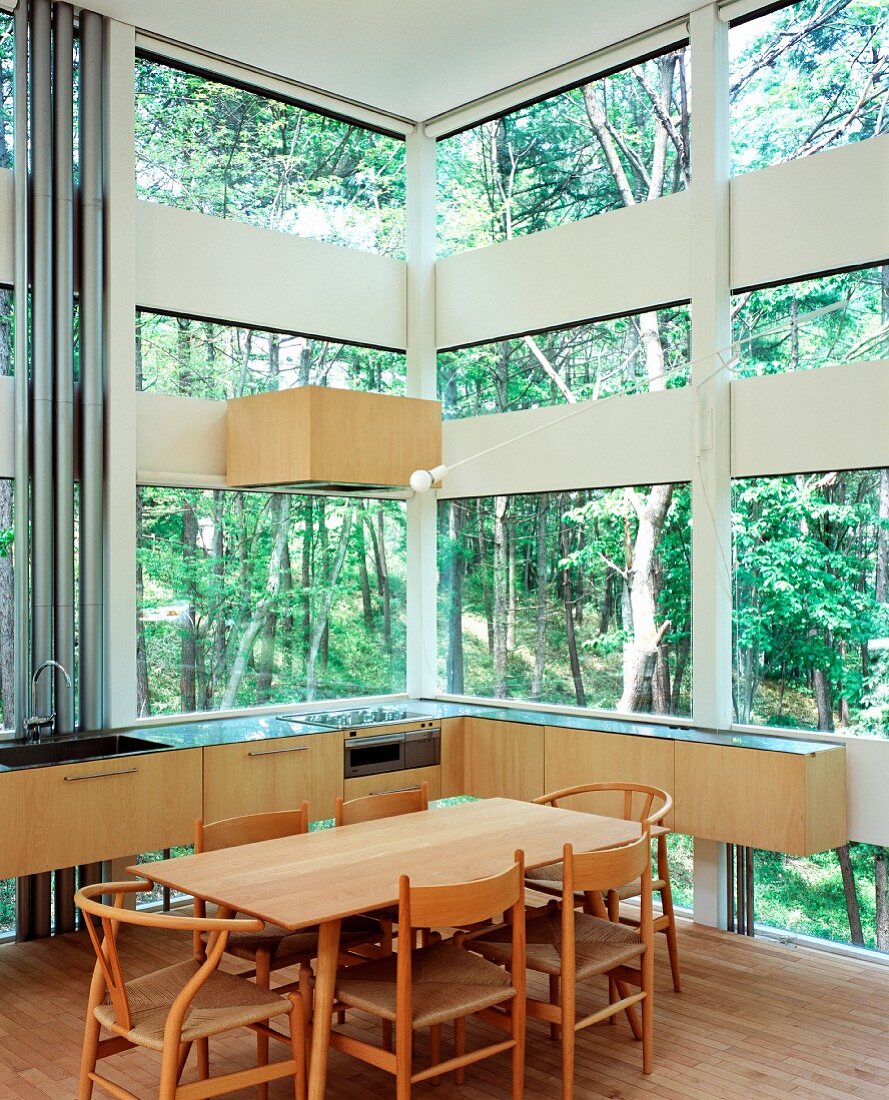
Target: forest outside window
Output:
{"points": [[580, 598], [633, 354], [246, 599], [179, 355], [205, 145], [7, 58], [811, 601], [813, 323], [810, 76], [616, 141]]}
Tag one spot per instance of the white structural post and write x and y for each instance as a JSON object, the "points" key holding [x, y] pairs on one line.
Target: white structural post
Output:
{"points": [[120, 359], [711, 477], [421, 382]]}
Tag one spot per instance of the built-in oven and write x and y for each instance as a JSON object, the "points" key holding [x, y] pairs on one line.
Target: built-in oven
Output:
{"points": [[391, 752]]}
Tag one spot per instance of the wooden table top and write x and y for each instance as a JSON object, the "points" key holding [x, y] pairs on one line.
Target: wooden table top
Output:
{"points": [[332, 873]]}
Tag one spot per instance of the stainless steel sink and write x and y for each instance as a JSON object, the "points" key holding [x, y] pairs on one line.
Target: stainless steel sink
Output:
{"points": [[68, 750]]}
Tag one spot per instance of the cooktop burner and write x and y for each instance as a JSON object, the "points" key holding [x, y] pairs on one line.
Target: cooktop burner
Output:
{"points": [[361, 716]]}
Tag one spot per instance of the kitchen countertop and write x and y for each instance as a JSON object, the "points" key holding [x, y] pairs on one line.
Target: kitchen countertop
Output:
{"points": [[210, 732]]}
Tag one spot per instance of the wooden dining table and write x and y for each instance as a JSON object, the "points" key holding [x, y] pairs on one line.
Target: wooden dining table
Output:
{"points": [[321, 877]]}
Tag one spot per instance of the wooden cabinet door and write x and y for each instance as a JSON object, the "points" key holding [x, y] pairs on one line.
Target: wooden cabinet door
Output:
{"points": [[97, 809], [503, 759], [394, 781], [264, 776], [453, 758]]}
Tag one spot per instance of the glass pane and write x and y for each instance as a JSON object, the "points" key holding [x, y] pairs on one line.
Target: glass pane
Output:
{"points": [[811, 585], [205, 359], [253, 598], [7, 536], [617, 141], [647, 351], [208, 146], [681, 856], [838, 895], [574, 597], [783, 328], [807, 77], [7, 908], [7, 114]]}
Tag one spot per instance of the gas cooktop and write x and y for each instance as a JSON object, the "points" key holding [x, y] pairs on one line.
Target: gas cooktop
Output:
{"points": [[361, 716]]}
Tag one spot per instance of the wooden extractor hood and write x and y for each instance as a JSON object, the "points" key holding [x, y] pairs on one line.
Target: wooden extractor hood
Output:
{"points": [[317, 438]]}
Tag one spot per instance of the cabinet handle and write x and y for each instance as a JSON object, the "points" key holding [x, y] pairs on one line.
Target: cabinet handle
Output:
{"points": [[398, 790], [276, 752], [98, 775]]}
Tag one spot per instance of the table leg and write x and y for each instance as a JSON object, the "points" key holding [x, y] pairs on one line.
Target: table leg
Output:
{"points": [[325, 981]]}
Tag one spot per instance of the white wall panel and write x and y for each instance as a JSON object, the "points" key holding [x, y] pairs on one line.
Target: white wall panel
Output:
{"points": [[7, 427], [184, 436], [820, 213], [612, 263], [209, 267], [636, 440], [829, 419], [7, 212]]}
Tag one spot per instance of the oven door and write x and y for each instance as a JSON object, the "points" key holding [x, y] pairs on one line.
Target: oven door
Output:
{"points": [[373, 755]]}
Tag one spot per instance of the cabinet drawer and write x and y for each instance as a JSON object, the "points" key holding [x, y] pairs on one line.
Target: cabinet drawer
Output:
{"points": [[394, 781], [276, 774], [98, 809]]}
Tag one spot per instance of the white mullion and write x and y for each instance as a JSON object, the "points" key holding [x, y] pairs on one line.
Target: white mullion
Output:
{"points": [[120, 383], [421, 382], [711, 477]]}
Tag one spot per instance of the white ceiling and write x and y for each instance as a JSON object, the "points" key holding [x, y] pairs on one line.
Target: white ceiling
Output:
{"points": [[414, 58]]}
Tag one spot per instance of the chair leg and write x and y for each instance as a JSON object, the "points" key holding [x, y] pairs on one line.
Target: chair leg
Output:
{"points": [[402, 1068], [638, 1029], [203, 1058], [568, 1037], [263, 980], [298, 1044], [306, 980], [670, 933], [184, 1051], [460, 1047], [387, 1034], [435, 1050], [169, 1072], [90, 1053], [554, 998], [613, 901]]}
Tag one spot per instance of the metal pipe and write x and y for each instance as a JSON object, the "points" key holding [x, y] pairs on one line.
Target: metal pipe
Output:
{"points": [[91, 371], [63, 272], [41, 345]]}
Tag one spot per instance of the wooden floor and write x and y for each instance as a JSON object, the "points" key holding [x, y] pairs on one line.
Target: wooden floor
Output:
{"points": [[755, 1019]]}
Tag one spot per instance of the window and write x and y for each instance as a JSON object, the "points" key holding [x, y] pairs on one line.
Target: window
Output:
{"points": [[783, 328], [624, 355], [811, 601], [838, 895], [253, 598], [553, 597], [7, 535], [7, 58], [7, 908], [807, 77], [616, 141], [205, 359], [223, 150]]}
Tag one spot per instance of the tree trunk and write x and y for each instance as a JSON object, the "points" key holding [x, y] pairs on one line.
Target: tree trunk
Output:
{"points": [[567, 602], [363, 580], [501, 596], [882, 899], [852, 908], [540, 645], [454, 669], [882, 580], [511, 585], [143, 689], [323, 610], [306, 571], [483, 572], [824, 699], [188, 646], [383, 577]]}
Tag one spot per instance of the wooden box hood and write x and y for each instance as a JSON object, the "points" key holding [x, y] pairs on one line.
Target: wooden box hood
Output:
{"points": [[317, 437]]}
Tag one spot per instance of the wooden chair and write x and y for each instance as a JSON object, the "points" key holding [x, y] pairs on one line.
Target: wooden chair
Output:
{"points": [[271, 948], [427, 986], [170, 1009], [635, 802], [572, 946]]}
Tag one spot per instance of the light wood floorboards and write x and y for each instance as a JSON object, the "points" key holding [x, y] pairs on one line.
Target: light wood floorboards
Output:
{"points": [[756, 1019]]}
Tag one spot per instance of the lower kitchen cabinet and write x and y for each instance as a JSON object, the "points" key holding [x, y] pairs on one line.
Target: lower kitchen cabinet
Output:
{"points": [[453, 758], [277, 774], [97, 809], [503, 759], [388, 782]]}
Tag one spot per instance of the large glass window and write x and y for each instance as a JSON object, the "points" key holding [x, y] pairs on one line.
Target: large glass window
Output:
{"points": [[811, 601], [7, 588], [814, 322], [206, 359], [7, 58], [616, 141], [574, 597], [252, 598], [223, 150], [625, 355], [807, 77]]}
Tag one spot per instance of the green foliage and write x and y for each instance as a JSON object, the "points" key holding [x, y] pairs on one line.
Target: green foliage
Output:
{"points": [[221, 150]]}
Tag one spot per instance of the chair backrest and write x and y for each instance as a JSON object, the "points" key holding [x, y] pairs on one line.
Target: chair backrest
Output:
{"points": [[249, 829], [607, 869], [109, 919], [632, 801], [374, 806]]}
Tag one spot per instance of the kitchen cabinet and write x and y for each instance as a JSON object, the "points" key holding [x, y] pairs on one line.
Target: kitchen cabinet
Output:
{"points": [[453, 757], [387, 782], [97, 809], [784, 802], [503, 759], [275, 774], [573, 757]]}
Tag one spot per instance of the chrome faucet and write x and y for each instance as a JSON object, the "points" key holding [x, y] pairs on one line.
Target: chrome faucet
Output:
{"points": [[38, 722]]}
